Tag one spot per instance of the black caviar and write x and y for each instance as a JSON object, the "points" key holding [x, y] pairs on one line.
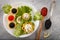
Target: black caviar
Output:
{"points": [[14, 10], [48, 24], [12, 25]]}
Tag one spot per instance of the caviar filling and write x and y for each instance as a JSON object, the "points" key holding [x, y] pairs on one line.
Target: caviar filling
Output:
{"points": [[44, 11], [14, 10], [48, 24], [12, 25], [10, 17]]}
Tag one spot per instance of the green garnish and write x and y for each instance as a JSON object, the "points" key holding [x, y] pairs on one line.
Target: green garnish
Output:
{"points": [[26, 9], [22, 10], [18, 30], [6, 8], [37, 16]]}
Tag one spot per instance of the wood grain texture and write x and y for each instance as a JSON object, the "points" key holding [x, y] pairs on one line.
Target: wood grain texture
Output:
{"points": [[40, 29]]}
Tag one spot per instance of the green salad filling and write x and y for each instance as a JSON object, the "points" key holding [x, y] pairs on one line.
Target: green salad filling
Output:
{"points": [[6, 8], [37, 16], [23, 9], [18, 30]]}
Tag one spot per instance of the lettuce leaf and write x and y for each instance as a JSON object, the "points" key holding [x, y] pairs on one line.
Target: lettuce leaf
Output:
{"points": [[37, 16], [18, 30], [6, 8], [26, 9], [22, 10]]}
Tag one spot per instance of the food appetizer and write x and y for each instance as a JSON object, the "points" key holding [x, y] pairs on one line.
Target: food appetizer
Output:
{"points": [[20, 19]]}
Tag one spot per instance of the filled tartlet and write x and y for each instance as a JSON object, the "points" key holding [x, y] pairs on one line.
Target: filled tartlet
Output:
{"points": [[11, 17], [28, 27], [14, 10], [12, 25], [26, 16]]}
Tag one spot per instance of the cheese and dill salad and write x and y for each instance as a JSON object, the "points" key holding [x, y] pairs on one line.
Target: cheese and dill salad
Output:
{"points": [[20, 19]]}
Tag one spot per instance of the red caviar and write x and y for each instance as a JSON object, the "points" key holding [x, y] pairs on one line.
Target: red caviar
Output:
{"points": [[10, 17], [44, 11]]}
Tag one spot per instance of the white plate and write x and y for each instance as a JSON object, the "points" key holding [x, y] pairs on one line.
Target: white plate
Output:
{"points": [[16, 5]]}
